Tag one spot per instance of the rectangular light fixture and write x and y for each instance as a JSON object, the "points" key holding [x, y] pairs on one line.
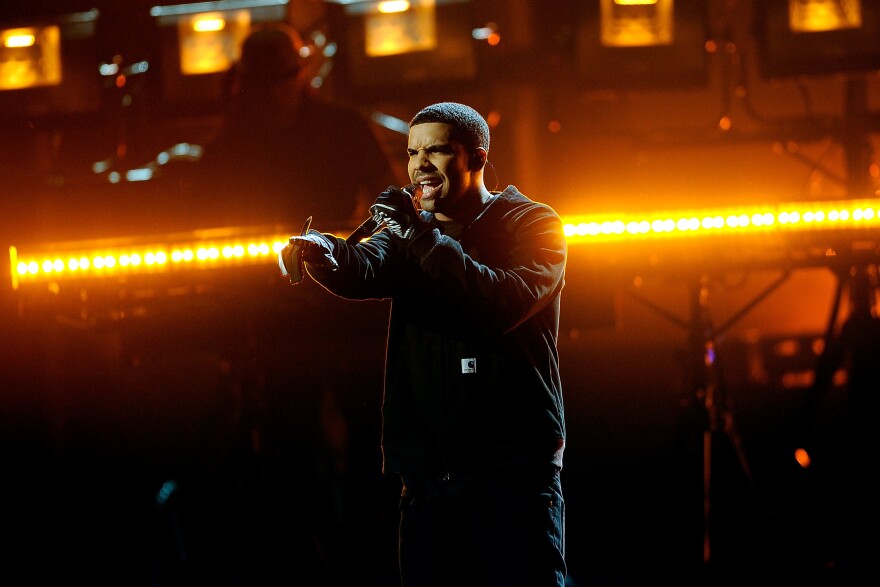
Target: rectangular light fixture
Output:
{"points": [[210, 42], [48, 66], [209, 34], [637, 23], [395, 27], [806, 16], [817, 37], [263, 9], [408, 27], [638, 44], [30, 57], [200, 42], [392, 46]]}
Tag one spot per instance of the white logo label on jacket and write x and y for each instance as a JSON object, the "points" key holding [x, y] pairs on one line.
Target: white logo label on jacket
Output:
{"points": [[468, 365]]}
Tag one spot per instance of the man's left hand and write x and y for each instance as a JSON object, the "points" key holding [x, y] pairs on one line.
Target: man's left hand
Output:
{"points": [[312, 248]]}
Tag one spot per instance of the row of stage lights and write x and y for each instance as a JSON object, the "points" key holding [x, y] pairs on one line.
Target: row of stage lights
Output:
{"points": [[115, 260], [148, 259], [853, 214], [206, 37], [47, 264]]}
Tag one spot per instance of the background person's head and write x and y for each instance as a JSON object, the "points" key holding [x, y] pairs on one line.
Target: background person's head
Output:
{"points": [[271, 73]]}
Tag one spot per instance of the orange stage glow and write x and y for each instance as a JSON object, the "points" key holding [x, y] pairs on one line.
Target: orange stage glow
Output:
{"points": [[236, 246]]}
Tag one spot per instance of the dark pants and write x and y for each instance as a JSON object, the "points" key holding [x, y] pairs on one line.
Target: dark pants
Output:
{"points": [[499, 529]]}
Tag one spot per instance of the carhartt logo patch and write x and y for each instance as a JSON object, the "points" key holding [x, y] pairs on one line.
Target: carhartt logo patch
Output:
{"points": [[468, 365]]}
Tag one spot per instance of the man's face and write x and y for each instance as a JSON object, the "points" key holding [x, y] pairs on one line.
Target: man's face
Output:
{"points": [[439, 165]]}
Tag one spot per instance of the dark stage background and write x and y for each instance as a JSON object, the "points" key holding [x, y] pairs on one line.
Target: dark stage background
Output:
{"points": [[221, 427], [233, 438]]}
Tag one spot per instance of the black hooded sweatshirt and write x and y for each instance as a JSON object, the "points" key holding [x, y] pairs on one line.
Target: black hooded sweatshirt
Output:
{"points": [[472, 376]]}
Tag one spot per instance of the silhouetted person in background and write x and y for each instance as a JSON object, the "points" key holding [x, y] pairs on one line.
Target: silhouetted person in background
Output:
{"points": [[278, 504], [286, 152]]}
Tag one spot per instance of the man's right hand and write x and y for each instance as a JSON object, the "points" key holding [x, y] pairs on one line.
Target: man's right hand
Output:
{"points": [[312, 248], [396, 210]]}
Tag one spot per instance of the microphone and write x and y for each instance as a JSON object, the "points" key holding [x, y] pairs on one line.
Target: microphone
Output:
{"points": [[370, 226]]}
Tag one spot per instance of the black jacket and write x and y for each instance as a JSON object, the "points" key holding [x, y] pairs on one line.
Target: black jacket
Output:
{"points": [[472, 370]]}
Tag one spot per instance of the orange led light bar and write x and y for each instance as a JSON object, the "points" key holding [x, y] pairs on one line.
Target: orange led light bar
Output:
{"points": [[199, 250], [775, 219], [205, 250]]}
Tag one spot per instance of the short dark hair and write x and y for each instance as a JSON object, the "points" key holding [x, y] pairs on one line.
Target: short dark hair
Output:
{"points": [[467, 125]]}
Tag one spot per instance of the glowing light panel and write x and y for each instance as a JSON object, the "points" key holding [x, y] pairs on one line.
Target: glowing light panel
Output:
{"points": [[30, 57], [805, 16], [637, 23], [403, 30], [210, 42]]}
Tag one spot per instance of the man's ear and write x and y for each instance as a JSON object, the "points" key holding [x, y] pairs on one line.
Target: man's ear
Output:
{"points": [[478, 159]]}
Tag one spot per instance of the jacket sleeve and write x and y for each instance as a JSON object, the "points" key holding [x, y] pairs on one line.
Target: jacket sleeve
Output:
{"points": [[363, 268], [511, 268]]}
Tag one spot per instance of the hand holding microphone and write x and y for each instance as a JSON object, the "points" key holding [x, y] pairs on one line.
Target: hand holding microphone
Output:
{"points": [[395, 208]]}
